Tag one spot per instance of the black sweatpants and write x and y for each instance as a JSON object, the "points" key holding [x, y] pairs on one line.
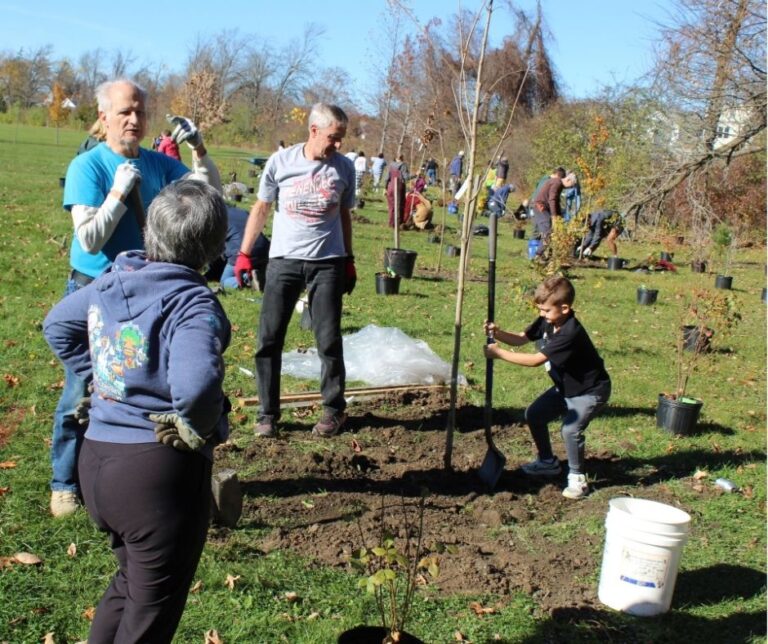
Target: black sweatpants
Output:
{"points": [[154, 502]]}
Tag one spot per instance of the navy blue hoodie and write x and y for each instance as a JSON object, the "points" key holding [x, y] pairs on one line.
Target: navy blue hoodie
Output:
{"points": [[152, 335]]}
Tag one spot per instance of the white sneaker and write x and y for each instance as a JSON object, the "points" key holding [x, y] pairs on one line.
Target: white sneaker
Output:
{"points": [[542, 468], [63, 503], [577, 487]]}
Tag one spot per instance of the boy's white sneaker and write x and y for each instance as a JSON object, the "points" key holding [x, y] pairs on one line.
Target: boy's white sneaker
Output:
{"points": [[577, 487], [542, 468]]}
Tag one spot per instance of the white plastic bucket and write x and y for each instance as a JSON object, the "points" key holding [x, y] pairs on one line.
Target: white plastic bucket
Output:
{"points": [[643, 543]]}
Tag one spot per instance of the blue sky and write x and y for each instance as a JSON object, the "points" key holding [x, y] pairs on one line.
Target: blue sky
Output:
{"points": [[596, 42]]}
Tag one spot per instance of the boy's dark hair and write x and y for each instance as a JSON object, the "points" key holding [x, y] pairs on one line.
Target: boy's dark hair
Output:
{"points": [[557, 290], [560, 172]]}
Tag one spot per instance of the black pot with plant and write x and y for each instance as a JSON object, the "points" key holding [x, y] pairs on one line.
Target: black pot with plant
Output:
{"points": [[647, 296], [724, 240], [400, 262], [387, 283], [702, 309]]}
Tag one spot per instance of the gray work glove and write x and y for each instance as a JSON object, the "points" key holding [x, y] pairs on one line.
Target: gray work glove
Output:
{"points": [[184, 131], [173, 431], [83, 411]]}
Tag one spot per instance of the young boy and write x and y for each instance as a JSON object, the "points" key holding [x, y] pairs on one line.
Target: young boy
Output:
{"points": [[582, 385]]}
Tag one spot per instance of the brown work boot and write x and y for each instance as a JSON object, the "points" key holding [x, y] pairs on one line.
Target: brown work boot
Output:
{"points": [[266, 426], [63, 503], [330, 424]]}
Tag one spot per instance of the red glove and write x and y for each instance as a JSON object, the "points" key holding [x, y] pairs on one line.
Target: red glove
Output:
{"points": [[350, 275], [243, 268]]}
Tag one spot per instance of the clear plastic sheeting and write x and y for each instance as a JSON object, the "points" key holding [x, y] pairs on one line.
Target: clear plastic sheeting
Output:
{"points": [[378, 356]]}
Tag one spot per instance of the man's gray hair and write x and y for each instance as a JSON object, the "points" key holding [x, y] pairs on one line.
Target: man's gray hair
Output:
{"points": [[325, 115], [104, 100], [186, 224]]}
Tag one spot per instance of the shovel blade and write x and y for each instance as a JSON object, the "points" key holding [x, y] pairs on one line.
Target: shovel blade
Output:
{"points": [[491, 469]]}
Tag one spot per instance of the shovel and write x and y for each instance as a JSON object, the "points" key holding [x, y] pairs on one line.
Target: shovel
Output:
{"points": [[493, 463]]}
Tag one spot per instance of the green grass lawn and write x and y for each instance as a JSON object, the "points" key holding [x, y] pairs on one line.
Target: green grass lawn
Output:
{"points": [[726, 554]]}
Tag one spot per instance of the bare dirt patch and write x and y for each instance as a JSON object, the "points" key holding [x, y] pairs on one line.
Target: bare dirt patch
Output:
{"points": [[317, 497]]}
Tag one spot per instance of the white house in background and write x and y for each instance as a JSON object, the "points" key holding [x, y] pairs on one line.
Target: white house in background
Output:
{"points": [[68, 104], [730, 125]]}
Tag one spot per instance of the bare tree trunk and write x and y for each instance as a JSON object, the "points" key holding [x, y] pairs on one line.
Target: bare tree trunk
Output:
{"points": [[469, 212]]}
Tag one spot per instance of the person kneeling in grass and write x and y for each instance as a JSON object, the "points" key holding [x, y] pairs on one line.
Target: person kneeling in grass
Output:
{"points": [[581, 383], [150, 334]]}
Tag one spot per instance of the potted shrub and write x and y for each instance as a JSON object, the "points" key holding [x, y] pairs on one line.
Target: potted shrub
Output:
{"points": [[646, 296], [392, 569], [702, 310], [387, 283], [724, 241]]}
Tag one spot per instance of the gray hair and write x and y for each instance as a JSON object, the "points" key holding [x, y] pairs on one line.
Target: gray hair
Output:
{"points": [[325, 115], [186, 224], [103, 98]]}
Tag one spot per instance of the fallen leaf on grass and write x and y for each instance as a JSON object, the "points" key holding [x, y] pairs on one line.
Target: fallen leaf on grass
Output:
{"points": [[312, 616], [197, 587], [48, 639], [459, 637], [27, 558], [231, 581], [747, 492], [12, 380], [4, 490], [212, 637], [700, 474], [6, 562], [7, 465], [72, 550], [356, 447], [292, 596], [479, 609], [89, 613], [308, 504]]}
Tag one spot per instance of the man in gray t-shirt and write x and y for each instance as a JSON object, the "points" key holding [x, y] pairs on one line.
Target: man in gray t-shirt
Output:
{"points": [[314, 187]]}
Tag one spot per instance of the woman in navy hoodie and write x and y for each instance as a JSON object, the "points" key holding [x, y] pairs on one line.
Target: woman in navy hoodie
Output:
{"points": [[152, 334]]}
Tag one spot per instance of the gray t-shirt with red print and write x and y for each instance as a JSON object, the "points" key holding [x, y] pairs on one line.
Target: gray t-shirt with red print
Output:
{"points": [[309, 195]]}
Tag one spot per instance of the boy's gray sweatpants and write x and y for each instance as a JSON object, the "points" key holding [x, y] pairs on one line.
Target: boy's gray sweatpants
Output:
{"points": [[576, 413]]}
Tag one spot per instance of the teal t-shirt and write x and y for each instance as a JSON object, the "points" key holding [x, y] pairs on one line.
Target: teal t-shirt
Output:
{"points": [[89, 180]]}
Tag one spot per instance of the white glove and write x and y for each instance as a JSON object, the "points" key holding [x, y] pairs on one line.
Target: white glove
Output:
{"points": [[127, 175], [587, 252], [184, 131]]}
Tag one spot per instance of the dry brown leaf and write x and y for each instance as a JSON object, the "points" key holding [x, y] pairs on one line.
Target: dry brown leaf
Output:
{"points": [[12, 380], [89, 613], [6, 562], [291, 596], [7, 465], [4, 490], [459, 637], [197, 587], [479, 609], [700, 474], [212, 637], [72, 550], [312, 616], [231, 581], [27, 558], [356, 447], [49, 639], [748, 492]]}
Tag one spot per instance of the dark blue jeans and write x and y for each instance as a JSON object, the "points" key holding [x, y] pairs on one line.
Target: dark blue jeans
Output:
{"points": [[67, 432], [286, 279]]}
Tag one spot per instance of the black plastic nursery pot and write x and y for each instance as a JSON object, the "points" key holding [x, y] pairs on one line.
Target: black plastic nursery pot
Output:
{"points": [[433, 238], [678, 416], [696, 339], [764, 295], [374, 635], [665, 256], [452, 251], [699, 266], [387, 284], [399, 261], [647, 296], [62, 181], [518, 233], [724, 282], [615, 263]]}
